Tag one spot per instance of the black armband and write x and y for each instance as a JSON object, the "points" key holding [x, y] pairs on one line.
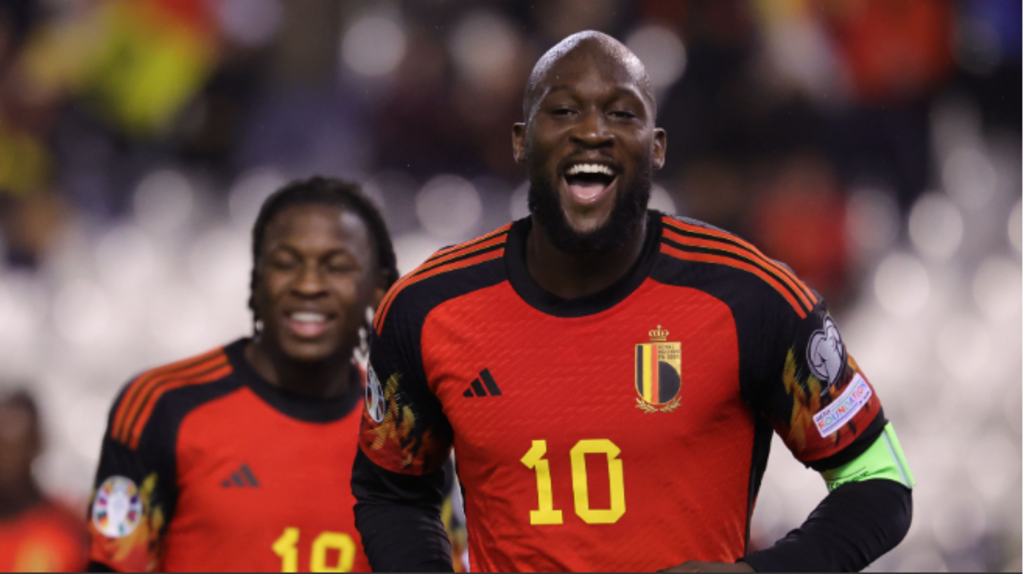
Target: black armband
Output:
{"points": [[852, 527]]}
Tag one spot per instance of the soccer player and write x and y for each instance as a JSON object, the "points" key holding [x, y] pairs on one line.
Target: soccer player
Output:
{"points": [[610, 376], [239, 459], [36, 534]]}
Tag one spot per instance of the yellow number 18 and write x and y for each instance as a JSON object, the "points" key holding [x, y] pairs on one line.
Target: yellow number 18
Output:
{"points": [[546, 513], [286, 546]]}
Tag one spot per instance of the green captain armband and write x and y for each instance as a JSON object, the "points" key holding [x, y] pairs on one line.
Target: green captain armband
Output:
{"points": [[883, 459]]}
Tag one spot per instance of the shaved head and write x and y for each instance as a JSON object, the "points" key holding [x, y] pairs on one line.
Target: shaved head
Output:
{"points": [[588, 44]]}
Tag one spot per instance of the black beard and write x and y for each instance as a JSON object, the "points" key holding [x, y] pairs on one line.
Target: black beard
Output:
{"points": [[626, 217]]}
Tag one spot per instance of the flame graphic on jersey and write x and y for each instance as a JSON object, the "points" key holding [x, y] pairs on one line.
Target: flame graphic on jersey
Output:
{"points": [[810, 397], [139, 550], [806, 402], [396, 443]]}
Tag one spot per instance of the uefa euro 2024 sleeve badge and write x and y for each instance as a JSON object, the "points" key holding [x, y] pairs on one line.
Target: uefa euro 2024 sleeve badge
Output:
{"points": [[117, 510], [658, 373]]}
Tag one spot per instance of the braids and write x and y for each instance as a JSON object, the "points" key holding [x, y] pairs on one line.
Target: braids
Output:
{"points": [[330, 192]]}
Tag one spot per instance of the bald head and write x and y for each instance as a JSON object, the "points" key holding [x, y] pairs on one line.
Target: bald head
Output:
{"points": [[586, 47]]}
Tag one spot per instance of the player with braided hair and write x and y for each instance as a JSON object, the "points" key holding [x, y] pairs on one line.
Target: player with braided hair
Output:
{"points": [[239, 459]]}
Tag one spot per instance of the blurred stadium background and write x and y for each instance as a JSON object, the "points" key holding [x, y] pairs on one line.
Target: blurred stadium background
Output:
{"points": [[874, 146]]}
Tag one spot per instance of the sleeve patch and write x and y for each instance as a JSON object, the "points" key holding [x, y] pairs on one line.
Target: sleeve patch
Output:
{"points": [[842, 410], [117, 508], [126, 528], [826, 354]]}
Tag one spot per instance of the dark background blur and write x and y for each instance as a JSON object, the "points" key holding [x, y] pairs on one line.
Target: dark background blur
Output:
{"points": [[872, 145]]}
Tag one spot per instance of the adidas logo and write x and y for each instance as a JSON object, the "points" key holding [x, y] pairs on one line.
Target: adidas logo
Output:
{"points": [[476, 388], [242, 478]]}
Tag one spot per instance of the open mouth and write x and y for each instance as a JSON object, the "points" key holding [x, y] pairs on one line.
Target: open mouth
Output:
{"points": [[589, 182], [307, 324]]}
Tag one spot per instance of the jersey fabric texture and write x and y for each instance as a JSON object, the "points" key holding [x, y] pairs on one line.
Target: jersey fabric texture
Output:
{"points": [[625, 430], [205, 466], [43, 538]]}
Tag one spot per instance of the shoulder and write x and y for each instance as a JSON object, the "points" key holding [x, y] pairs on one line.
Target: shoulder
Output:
{"points": [[449, 273], [726, 257], [134, 408]]}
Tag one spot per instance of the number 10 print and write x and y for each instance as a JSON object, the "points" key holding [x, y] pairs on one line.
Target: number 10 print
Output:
{"points": [[546, 513]]}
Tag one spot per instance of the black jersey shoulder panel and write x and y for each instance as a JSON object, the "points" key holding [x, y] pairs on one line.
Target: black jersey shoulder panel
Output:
{"points": [[446, 275]]}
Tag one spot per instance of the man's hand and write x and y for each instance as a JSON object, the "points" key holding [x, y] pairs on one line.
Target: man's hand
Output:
{"points": [[695, 566]]}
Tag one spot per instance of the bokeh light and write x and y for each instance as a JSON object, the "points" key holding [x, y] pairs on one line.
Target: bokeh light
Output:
{"points": [[964, 347], [163, 201], [1013, 226], [519, 202], [872, 221], [126, 258], [373, 46], [449, 206], [936, 226], [662, 52], [251, 23], [249, 191], [82, 312], [997, 288], [901, 284], [661, 200], [969, 177], [483, 46]]}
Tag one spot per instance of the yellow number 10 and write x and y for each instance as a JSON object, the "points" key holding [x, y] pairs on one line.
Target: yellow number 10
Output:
{"points": [[546, 513], [286, 546]]}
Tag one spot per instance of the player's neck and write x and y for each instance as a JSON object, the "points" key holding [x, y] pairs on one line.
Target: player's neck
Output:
{"points": [[17, 498], [322, 379], [573, 275]]}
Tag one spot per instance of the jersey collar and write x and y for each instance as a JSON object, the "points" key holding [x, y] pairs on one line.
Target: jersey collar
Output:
{"points": [[290, 404], [524, 285]]}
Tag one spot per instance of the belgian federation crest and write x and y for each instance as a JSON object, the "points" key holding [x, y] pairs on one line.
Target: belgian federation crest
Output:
{"points": [[658, 373]]}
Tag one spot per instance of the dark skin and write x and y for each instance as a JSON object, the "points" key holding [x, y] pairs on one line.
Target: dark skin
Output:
{"points": [[317, 275], [590, 106], [20, 445]]}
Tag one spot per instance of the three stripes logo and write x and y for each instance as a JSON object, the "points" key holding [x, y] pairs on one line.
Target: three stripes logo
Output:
{"points": [[242, 478], [484, 388]]}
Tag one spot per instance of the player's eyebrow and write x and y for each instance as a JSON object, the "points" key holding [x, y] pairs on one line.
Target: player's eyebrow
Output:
{"points": [[620, 90], [291, 249]]}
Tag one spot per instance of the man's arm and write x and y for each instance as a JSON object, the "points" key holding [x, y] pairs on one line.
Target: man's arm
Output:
{"points": [[399, 518], [140, 477], [866, 514], [398, 476]]}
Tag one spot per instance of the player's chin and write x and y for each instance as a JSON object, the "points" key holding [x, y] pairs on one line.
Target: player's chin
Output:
{"points": [[585, 225], [310, 350]]}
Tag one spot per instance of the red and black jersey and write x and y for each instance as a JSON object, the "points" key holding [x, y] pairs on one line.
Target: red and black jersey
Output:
{"points": [[206, 466], [45, 537], [625, 430]]}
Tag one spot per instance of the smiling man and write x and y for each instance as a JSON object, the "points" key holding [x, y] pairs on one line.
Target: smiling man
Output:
{"points": [[237, 460], [610, 377]]}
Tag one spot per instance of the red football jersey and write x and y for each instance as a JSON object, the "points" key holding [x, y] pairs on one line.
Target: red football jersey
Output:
{"points": [[207, 467], [43, 538], [627, 430]]}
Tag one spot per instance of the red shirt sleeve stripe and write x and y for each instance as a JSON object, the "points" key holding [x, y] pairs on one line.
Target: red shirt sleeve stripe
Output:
{"points": [[137, 388]]}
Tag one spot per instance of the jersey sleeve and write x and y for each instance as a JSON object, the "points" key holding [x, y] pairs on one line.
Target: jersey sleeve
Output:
{"points": [[133, 496], [404, 429], [399, 475], [814, 394]]}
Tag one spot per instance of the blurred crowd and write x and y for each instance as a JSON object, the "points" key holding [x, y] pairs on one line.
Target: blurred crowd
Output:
{"points": [[874, 146]]}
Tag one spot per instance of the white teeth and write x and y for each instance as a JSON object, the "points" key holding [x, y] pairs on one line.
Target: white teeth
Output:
{"points": [[308, 317], [590, 168]]}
